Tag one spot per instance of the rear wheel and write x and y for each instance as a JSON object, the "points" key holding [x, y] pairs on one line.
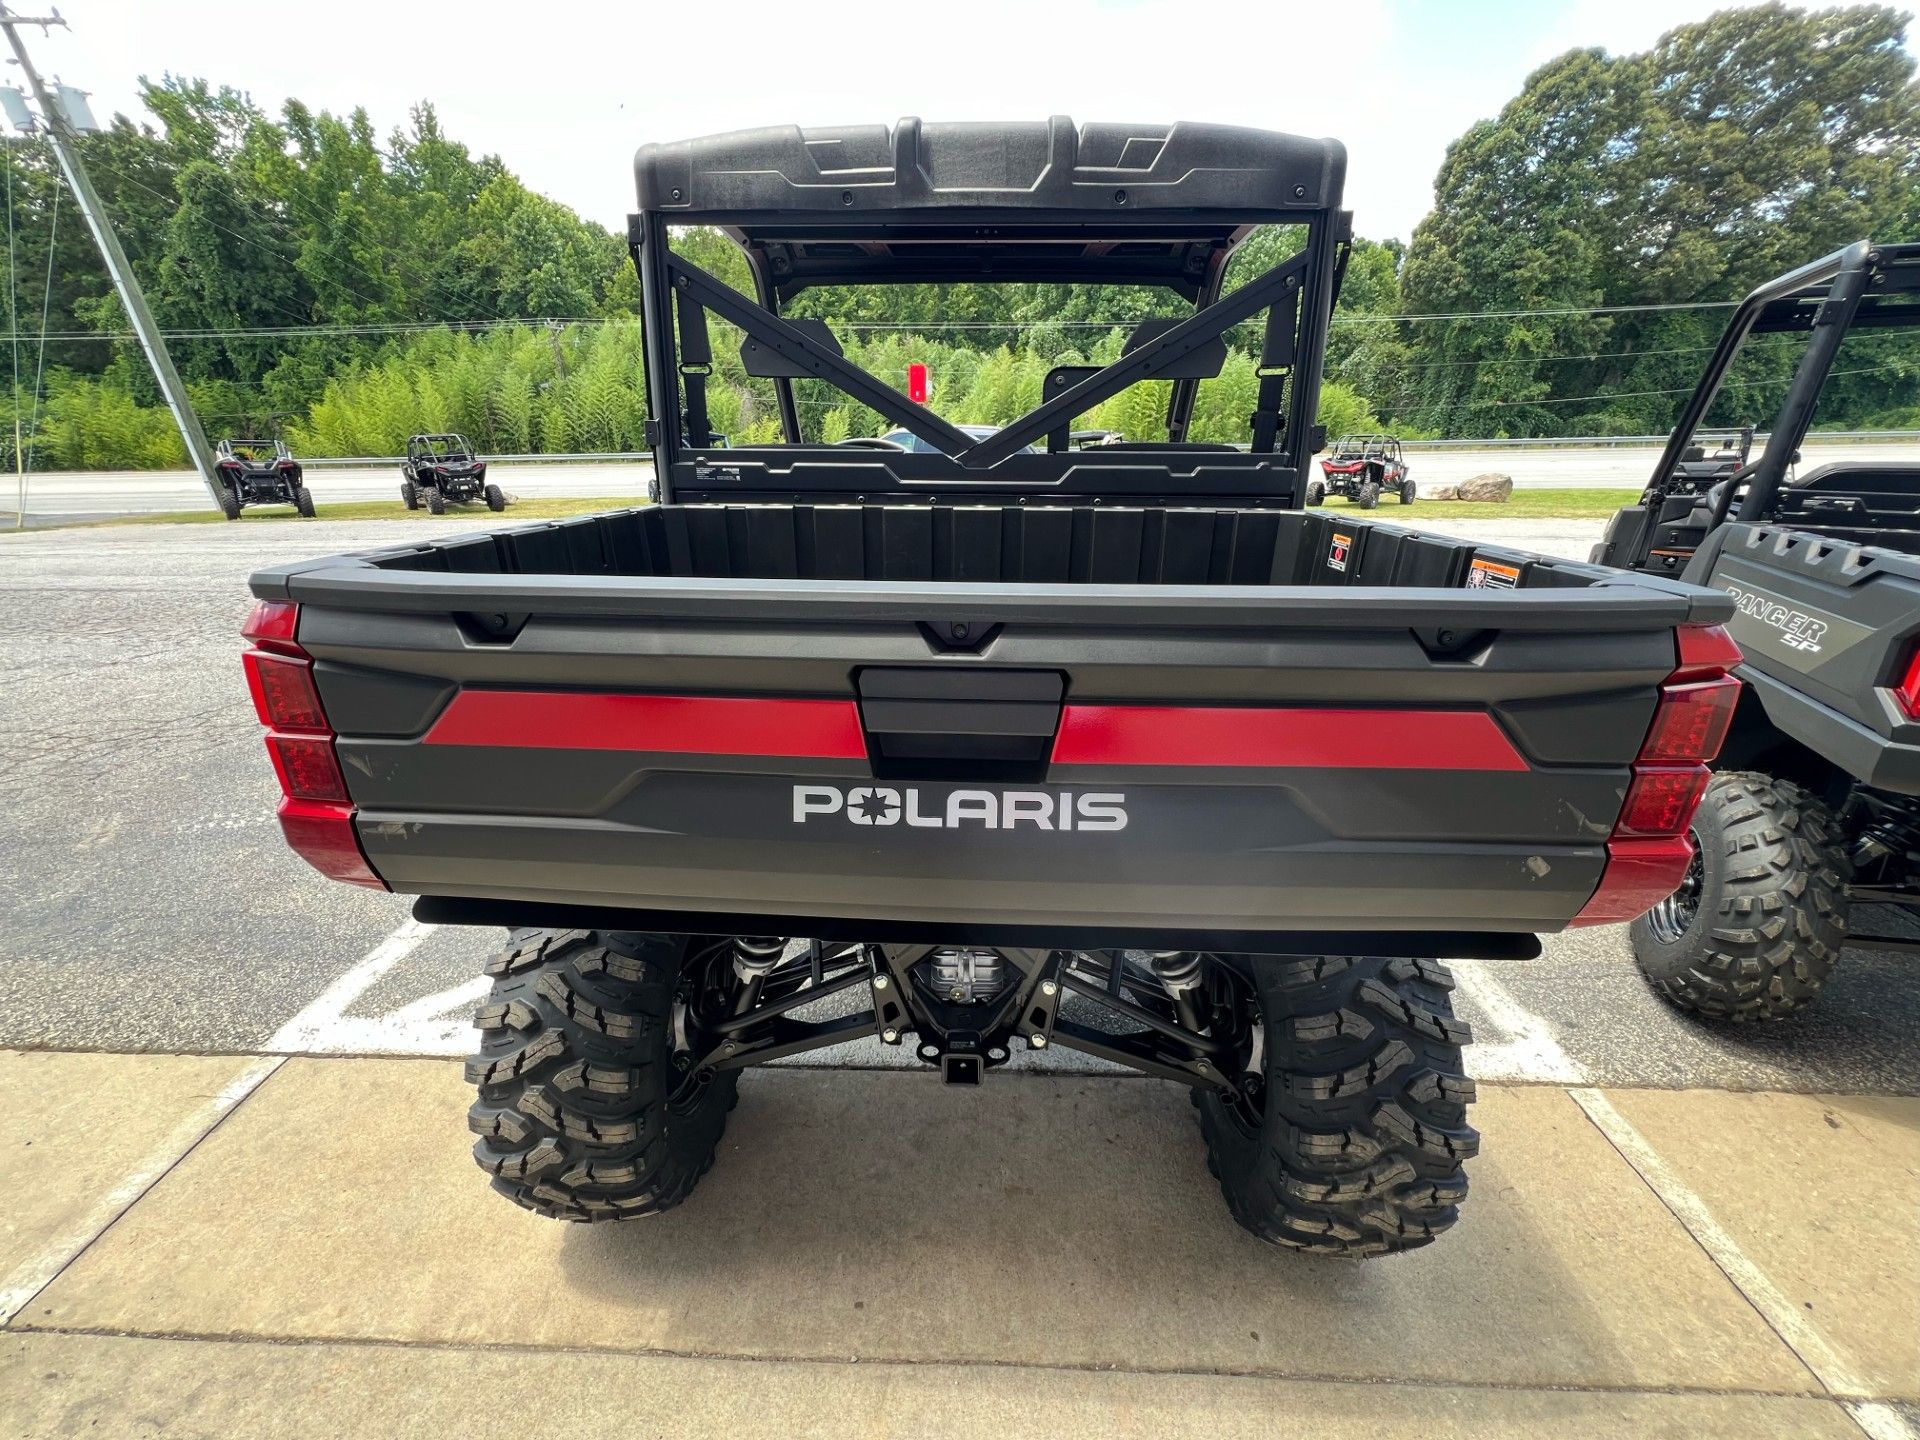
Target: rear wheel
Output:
{"points": [[1316, 492], [1350, 1132], [590, 1104], [436, 502], [496, 498], [409, 495], [1758, 924], [1407, 491], [303, 500], [1369, 495], [228, 499]]}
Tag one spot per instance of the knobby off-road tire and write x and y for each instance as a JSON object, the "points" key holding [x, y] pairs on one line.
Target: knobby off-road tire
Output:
{"points": [[229, 500], [582, 1114], [1357, 1145], [1316, 492], [1407, 492], [436, 502], [303, 501], [409, 496], [496, 498], [1369, 495], [1758, 925]]}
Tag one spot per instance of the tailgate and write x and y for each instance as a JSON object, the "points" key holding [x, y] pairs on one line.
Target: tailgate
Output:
{"points": [[1107, 760]]}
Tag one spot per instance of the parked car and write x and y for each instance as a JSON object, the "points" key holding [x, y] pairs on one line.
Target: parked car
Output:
{"points": [[258, 472], [1362, 468], [1814, 809], [439, 469], [993, 747]]}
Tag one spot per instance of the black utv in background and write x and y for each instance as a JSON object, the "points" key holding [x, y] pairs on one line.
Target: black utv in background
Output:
{"points": [[443, 468], [1809, 838], [983, 742], [258, 472]]}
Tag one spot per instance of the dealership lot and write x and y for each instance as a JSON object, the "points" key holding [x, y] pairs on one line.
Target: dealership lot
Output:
{"points": [[237, 1197]]}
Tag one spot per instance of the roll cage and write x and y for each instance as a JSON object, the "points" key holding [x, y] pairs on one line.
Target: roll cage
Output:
{"points": [[1026, 203], [439, 447], [1383, 447], [1863, 287], [253, 452]]}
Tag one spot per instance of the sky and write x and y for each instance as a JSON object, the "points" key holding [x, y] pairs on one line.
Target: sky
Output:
{"points": [[563, 94]]}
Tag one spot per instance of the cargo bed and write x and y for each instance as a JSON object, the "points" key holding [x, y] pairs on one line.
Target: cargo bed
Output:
{"points": [[971, 721]]}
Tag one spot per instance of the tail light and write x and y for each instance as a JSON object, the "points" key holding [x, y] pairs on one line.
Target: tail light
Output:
{"points": [[1650, 849], [1908, 690], [316, 814]]}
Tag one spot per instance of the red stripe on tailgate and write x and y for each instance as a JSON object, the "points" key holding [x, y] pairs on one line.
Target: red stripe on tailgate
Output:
{"points": [[1301, 738], [666, 724]]}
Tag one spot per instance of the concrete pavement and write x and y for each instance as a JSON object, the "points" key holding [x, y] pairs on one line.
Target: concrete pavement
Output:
{"points": [[875, 1254], [1676, 1228]]}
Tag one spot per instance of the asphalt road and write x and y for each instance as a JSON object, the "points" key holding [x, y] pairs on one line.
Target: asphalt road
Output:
{"points": [[93, 494], [152, 905]]}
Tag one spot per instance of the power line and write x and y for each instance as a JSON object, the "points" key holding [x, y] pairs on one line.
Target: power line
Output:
{"points": [[1351, 319], [1339, 318], [385, 327], [1466, 404]]}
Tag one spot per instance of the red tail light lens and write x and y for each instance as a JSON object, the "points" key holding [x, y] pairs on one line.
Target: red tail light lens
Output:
{"points": [[306, 767], [1705, 651], [1909, 687], [283, 693], [273, 625], [1661, 801], [1649, 850], [317, 814], [1691, 720]]}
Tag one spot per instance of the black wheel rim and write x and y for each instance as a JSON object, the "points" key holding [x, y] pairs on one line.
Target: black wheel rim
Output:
{"points": [[1674, 916]]}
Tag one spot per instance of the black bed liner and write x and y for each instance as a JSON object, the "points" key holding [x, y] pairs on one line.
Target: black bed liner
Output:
{"points": [[989, 555]]}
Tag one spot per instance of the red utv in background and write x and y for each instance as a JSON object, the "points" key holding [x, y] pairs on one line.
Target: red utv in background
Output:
{"points": [[1362, 468]]}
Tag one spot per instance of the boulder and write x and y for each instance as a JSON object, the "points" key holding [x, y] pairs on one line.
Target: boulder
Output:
{"points": [[1442, 492], [1491, 486]]}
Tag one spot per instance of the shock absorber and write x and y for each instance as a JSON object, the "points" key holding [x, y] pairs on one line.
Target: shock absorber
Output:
{"points": [[754, 958], [1180, 972]]}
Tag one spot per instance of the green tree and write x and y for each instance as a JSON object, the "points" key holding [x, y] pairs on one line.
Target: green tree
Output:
{"points": [[1735, 148]]}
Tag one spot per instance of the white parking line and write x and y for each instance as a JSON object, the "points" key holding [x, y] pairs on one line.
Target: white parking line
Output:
{"points": [[1787, 1320], [324, 1027], [436, 1005], [1530, 1052], [38, 1271]]}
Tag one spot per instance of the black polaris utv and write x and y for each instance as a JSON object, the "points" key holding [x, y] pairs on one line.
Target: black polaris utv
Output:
{"points": [[442, 468], [1362, 468], [1809, 838], [258, 472], [984, 743]]}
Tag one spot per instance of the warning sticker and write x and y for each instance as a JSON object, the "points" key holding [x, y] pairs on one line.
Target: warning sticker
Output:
{"points": [[1338, 551], [1492, 575]]}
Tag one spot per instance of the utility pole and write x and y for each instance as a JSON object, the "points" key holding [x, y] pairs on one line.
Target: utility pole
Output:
{"points": [[132, 298]]}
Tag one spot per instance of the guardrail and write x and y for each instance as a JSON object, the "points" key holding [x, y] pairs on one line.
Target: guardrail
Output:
{"points": [[640, 457], [1634, 442]]}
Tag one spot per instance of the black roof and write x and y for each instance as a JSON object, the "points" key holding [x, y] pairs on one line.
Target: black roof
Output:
{"points": [[1120, 169]]}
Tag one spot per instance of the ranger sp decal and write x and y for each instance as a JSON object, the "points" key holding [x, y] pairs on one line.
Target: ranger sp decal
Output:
{"points": [[883, 805], [1798, 630]]}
